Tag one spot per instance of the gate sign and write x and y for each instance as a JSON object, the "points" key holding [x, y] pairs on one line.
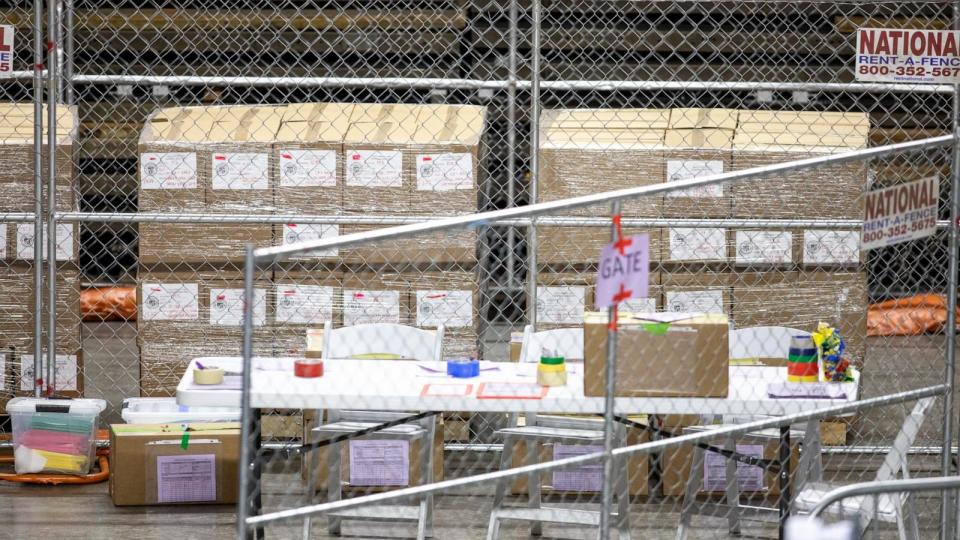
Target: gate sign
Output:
{"points": [[6, 48], [900, 213], [908, 56], [624, 271]]}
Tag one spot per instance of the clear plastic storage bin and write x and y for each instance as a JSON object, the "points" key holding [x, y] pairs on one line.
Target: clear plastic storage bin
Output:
{"points": [[166, 411], [54, 435]]}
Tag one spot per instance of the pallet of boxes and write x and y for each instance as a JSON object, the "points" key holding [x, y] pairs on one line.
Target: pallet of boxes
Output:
{"points": [[770, 276], [343, 164], [17, 241]]}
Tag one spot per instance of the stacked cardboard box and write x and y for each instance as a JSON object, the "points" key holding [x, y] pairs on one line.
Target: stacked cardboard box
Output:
{"points": [[17, 158]]}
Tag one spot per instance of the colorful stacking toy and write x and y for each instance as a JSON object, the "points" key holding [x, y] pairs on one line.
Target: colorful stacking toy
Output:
{"points": [[802, 360]]}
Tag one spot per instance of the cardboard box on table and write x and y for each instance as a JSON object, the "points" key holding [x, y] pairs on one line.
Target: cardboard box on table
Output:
{"points": [[141, 455], [769, 137], [207, 159], [687, 357], [17, 157], [414, 455], [699, 142]]}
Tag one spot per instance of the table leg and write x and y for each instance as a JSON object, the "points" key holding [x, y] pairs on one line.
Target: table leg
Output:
{"points": [[784, 459]]}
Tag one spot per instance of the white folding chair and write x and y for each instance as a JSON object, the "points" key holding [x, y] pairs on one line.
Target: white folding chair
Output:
{"points": [[365, 339], [749, 342], [537, 429], [889, 508]]}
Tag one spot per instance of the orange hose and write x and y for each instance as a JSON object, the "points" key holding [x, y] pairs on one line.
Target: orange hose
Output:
{"points": [[56, 479]]}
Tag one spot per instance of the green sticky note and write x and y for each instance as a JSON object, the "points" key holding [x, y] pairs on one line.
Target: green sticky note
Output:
{"points": [[657, 329], [185, 440]]}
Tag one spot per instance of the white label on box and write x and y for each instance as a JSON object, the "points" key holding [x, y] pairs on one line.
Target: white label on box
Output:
{"points": [[368, 307], [226, 307], [692, 168], [831, 247], [379, 463], [639, 305], [240, 171], [374, 168], [25, 238], [304, 304], [308, 168], [453, 309], [66, 372], [769, 247], [698, 244], [170, 302], [584, 478], [187, 478], [444, 172], [749, 477], [707, 301], [294, 233], [561, 304], [171, 170]]}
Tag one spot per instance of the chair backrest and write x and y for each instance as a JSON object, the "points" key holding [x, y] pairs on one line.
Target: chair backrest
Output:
{"points": [[762, 341], [897, 456], [363, 339], [566, 341]]}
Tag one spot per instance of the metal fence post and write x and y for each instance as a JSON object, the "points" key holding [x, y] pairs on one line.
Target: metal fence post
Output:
{"points": [[534, 166], [947, 525], [608, 411], [512, 140], [51, 259], [67, 63], [38, 58], [247, 429]]}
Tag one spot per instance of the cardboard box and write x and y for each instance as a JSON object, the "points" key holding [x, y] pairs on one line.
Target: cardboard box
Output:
{"points": [[17, 157], [412, 159], [768, 137], [144, 459], [695, 245], [306, 299], [576, 246], [767, 248], [802, 300], [19, 242], [309, 158], [637, 467], [199, 243], [292, 233], [414, 453], [586, 151], [444, 247], [17, 308], [564, 297], [369, 297], [171, 179], [699, 143], [68, 379], [707, 292], [689, 359]]}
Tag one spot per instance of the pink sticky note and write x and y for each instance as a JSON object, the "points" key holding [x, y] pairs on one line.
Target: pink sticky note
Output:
{"points": [[624, 271]]}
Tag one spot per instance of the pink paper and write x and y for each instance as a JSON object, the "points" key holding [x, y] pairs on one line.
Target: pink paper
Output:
{"points": [[624, 271], [55, 441], [379, 463], [187, 478], [584, 478]]}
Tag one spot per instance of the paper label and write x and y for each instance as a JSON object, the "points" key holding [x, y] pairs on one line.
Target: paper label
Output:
{"points": [[226, 307], [379, 463], [294, 233], [624, 271], [908, 55], [831, 247], [453, 309], [374, 168], [749, 477], [444, 172], [3, 240], [3, 370], [562, 304], [304, 304], [901, 213], [706, 301], [769, 247], [170, 302], [187, 478], [25, 238], [241, 171], [584, 478], [308, 168], [6, 48], [698, 244], [692, 168], [66, 373], [639, 305], [367, 307], [170, 170]]}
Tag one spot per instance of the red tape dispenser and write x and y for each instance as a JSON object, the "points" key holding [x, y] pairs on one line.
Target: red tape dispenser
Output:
{"points": [[308, 368]]}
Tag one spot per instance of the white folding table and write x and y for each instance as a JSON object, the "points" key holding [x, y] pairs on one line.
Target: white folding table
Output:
{"points": [[407, 385]]}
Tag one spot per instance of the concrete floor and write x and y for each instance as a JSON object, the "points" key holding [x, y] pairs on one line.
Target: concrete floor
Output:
{"points": [[68, 512]]}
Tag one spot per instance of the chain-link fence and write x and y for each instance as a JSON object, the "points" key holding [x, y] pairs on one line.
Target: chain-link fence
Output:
{"points": [[186, 132]]}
